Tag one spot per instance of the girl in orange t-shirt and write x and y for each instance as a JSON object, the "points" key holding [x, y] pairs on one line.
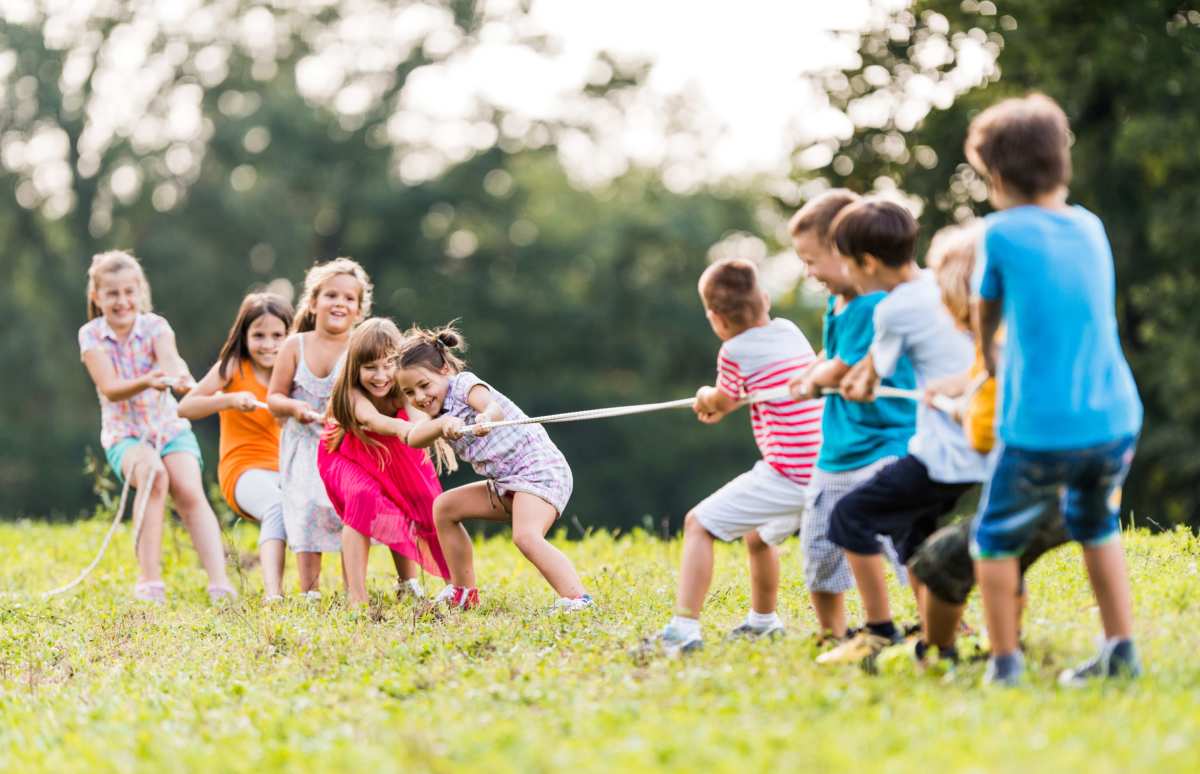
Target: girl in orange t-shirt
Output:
{"points": [[236, 387]]}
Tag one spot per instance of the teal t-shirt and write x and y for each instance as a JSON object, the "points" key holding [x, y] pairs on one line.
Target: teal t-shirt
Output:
{"points": [[1064, 380], [856, 434]]}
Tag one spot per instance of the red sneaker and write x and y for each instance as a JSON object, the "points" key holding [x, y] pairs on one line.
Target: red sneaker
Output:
{"points": [[458, 597]]}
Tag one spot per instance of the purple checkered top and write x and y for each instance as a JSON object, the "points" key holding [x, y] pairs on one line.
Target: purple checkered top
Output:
{"points": [[519, 458]]}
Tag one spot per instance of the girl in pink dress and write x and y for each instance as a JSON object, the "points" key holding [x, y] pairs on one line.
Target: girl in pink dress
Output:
{"points": [[381, 488]]}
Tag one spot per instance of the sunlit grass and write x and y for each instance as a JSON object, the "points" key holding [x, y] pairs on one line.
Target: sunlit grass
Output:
{"points": [[97, 682]]}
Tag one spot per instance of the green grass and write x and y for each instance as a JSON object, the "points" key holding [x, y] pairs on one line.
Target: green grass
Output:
{"points": [[94, 681]]}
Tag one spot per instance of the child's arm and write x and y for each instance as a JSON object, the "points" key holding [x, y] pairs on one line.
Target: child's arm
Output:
{"points": [[424, 433], [206, 399], [112, 386], [820, 375], [987, 316], [173, 364], [278, 400], [712, 405], [375, 421]]}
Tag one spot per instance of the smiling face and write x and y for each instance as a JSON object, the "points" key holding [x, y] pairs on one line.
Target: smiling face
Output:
{"points": [[822, 262], [424, 388], [337, 304], [264, 337], [378, 376], [119, 295]]}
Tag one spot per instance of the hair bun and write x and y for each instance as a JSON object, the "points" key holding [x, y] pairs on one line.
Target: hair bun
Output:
{"points": [[447, 338]]}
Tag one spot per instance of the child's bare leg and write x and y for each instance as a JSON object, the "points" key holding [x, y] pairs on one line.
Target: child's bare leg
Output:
{"points": [[406, 569], [830, 608], [940, 620], [999, 580], [472, 501], [1110, 583], [151, 501], [532, 518], [308, 567], [187, 489], [696, 569], [271, 555], [869, 577], [764, 573], [356, 550]]}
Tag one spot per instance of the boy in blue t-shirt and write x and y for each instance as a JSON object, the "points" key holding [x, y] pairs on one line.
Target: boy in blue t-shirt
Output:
{"points": [[857, 438], [1069, 409]]}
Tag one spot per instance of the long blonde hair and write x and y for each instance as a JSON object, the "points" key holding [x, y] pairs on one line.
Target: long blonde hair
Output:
{"points": [[112, 262], [318, 275], [376, 339], [951, 255]]}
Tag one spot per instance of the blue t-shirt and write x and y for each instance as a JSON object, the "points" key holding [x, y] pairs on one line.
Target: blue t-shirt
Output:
{"points": [[857, 434], [1064, 381]]}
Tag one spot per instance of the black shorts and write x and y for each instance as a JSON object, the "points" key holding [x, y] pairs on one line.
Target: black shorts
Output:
{"points": [[901, 501], [943, 563]]}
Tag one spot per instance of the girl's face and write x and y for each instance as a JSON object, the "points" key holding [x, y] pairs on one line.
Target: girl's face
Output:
{"points": [[118, 295], [378, 377], [424, 388], [264, 337], [822, 262], [337, 304]]}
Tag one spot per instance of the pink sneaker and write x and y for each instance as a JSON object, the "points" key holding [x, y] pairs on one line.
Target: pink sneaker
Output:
{"points": [[459, 597], [218, 593], [150, 591]]}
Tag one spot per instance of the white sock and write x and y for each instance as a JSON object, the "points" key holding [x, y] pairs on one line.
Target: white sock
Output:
{"points": [[762, 620], [687, 626], [414, 585]]}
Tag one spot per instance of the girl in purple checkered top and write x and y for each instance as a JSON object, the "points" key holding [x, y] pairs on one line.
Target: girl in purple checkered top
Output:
{"points": [[528, 479]]}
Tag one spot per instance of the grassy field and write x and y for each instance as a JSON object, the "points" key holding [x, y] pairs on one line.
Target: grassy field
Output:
{"points": [[94, 681]]}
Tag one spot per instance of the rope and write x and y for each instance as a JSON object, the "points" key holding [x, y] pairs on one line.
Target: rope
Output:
{"points": [[940, 402]]}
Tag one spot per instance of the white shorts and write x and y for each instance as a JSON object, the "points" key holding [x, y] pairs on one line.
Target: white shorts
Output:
{"points": [[762, 499]]}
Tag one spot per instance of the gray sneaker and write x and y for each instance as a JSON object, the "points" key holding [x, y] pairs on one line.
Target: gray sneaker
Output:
{"points": [[1115, 659], [748, 632], [1005, 673], [673, 642]]}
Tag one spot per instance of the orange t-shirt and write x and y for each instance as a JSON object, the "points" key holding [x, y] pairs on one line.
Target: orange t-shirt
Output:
{"points": [[249, 439]]}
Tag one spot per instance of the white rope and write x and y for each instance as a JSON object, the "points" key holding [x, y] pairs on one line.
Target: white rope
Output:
{"points": [[940, 402]]}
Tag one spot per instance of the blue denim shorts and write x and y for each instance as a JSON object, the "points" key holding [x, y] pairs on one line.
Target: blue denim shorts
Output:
{"points": [[1025, 484]]}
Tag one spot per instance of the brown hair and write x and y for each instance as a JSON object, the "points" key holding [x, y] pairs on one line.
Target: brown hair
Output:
{"points": [[375, 339], [432, 349], [818, 214], [730, 289], [1026, 142], [951, 255], [879, 227], [253, 307], [318, 275], [112, 262]]}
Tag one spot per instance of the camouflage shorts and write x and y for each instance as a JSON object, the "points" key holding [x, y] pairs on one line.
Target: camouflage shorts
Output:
{"points": [[943, 562]]}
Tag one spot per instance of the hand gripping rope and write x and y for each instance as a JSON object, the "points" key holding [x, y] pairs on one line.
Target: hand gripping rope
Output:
{"points": [[940, 402]]}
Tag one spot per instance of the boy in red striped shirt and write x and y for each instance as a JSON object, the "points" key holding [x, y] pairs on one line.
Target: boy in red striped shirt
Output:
{"points": [[766, 504]]}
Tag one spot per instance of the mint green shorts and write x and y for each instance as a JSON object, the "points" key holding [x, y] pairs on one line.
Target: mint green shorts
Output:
{"points": [[184, 442]]}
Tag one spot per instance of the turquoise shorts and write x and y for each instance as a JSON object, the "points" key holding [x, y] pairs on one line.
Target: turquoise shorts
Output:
{"points": [[185, 442]]}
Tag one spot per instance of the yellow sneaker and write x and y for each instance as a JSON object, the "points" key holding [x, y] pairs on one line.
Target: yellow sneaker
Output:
{"points": [[860, 648]]}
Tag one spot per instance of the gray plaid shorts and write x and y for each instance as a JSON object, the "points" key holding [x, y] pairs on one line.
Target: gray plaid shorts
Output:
{"points": [[825, 566]]}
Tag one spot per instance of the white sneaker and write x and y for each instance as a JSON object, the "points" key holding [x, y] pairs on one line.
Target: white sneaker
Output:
{"points": [[410, 588], [312, 596], [675, 643], [567, 605]]}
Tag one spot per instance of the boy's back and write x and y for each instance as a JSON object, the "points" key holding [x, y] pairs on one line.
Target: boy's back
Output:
{"points": [[1065, 382]]}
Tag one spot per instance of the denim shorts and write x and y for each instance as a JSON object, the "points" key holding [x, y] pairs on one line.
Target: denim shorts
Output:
{"points": [[1026, 483], [184, 442]]}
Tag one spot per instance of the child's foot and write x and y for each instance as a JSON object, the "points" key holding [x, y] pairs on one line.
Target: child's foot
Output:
{"points": [[1117, 658], [150, 591], [219, 593], [458, 597], [568, 605], [675, 640], [312, 595], [271, 599], [410, 588], [862, 648], [1005, 671], [752, 630]]}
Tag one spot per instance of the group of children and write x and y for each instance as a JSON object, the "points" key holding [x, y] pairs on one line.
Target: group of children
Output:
{"points": [[334, 425], [331, 424], [1051, 442]]}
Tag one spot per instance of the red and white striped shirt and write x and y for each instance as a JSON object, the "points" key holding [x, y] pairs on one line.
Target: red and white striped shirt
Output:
{"points": [[788, 432]]}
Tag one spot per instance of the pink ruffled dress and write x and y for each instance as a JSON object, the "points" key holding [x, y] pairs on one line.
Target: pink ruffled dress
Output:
{"points": [[387, 494]]}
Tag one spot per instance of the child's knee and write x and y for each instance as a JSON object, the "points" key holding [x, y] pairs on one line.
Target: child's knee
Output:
{"points": [[444, 512], [693, 528], [755, 543], [528, 540]]}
